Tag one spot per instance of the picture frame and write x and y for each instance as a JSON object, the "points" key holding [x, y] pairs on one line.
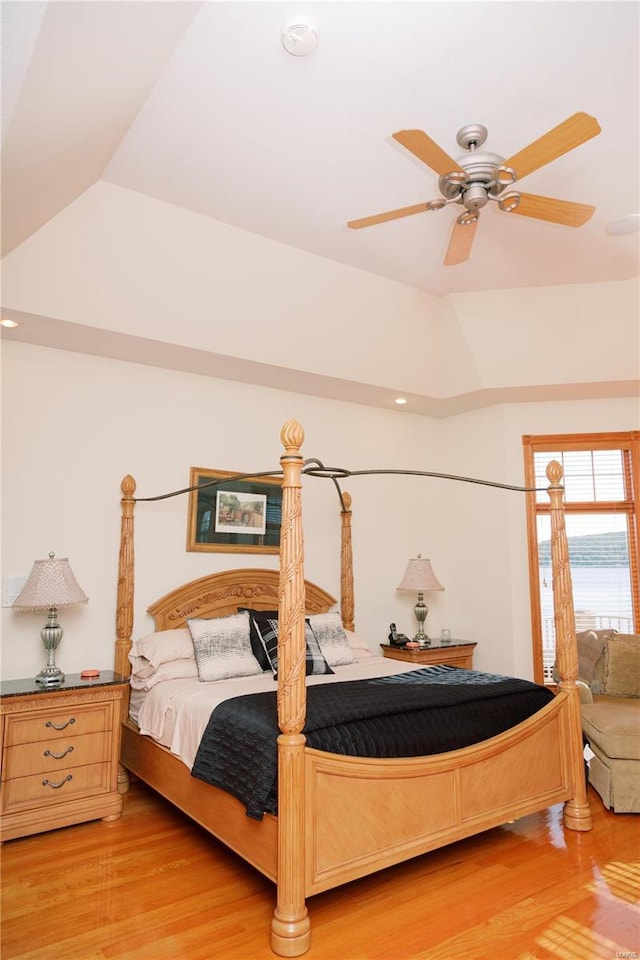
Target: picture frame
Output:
{"points": [[228, 515]]}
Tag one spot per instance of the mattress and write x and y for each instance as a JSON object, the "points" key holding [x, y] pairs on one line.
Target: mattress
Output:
{"points": [[175, 713]]}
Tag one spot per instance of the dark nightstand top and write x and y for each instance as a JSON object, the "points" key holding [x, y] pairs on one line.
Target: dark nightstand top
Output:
{"points": [[435, 644], [16, 688]]}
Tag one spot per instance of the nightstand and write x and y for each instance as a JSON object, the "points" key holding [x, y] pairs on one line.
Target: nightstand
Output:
{"points": [[456, 653], [60, 752]]}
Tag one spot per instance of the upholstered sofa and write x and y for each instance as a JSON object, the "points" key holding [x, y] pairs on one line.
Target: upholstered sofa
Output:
{"points": [[609, 680]]}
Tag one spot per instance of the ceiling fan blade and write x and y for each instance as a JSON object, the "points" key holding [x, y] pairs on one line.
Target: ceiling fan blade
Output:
{"points": [[389, 215], [556, 211], [460, 242], [427, 150], [569, 134]]}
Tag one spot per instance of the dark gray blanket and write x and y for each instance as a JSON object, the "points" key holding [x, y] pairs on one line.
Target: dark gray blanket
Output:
{"points": [[426, 711]]}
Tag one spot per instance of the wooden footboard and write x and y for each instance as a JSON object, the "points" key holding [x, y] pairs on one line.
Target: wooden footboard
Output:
{"points": [[364, 815]]}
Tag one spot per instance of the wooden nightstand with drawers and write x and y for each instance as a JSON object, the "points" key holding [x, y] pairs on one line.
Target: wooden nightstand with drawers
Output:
{"points": [[455, 653], [60, 752]]}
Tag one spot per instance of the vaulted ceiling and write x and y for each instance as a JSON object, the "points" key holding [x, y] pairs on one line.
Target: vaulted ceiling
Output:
{"points": [[200, 105]]}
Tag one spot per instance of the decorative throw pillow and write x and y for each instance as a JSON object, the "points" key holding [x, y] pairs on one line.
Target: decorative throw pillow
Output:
{"points": [[267, 629], [332, 638], [256, 642], [590, 648], [621, 670], [222, 647]]}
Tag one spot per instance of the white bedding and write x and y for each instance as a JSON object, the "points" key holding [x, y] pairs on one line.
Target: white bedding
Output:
{"points": [[176, 712]]}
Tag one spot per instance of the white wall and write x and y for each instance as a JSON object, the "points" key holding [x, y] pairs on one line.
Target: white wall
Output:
{"points": [[73, 426], [123, 262], [548, 335], [494, 579]]}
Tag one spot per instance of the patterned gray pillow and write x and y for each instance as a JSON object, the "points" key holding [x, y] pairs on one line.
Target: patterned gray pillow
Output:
{"points": [[222, 647], [332, 638]]}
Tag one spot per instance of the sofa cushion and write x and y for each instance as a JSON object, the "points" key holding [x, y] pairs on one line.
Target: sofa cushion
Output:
{"points": [[613, 724], [621, 667]]}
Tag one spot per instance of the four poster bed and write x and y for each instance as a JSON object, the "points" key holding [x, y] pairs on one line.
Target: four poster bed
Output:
{"points": [[340, 817]]}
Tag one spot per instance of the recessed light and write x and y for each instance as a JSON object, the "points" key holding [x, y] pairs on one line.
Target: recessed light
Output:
{"points": [[628, 224], [8, 323], [400, 401]]}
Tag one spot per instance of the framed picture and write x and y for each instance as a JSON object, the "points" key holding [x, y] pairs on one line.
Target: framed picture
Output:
{"points": [[233, 516]]}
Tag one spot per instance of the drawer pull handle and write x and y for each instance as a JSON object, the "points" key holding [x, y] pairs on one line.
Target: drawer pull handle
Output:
{"points": [[56, 786], [58, 756], [60, 726]]}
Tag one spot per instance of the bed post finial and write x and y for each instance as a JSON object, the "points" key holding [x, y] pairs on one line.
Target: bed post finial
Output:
{"points": [[292, 437], [290, 924], [577, 815]]}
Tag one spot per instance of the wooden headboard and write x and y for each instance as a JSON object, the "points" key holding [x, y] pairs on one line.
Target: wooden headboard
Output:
{"points": [[221, 594]]}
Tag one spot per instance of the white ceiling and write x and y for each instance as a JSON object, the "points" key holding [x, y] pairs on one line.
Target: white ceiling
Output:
{"points": [[199, 105]]}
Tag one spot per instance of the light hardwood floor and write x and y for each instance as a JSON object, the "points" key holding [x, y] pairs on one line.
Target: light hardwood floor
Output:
{"points": [[153, 886]]}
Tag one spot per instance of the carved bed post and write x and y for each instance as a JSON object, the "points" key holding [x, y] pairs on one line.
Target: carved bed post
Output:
{"points": [[347, 602], [124, 608], [124, 604], [577, 815], [290, 926]]}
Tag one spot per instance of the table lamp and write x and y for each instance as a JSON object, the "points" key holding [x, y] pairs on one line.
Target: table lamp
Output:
{"points": [[51, 584], [420, 577]]}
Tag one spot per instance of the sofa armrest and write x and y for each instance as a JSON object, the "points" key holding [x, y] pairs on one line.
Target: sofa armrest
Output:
{"points": [[584, 691]]}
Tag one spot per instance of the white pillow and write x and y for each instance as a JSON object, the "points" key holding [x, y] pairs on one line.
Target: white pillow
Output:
{"points": [[222, 647], [332, 638], [361, 649], [174, 670], [151, 651]]}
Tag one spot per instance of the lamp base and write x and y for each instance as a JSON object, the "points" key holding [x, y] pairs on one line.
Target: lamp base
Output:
{"points": [[50, 676], [51, 633], [420, 611]]}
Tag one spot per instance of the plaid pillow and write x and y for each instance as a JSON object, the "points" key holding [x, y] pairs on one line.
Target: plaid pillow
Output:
{"points": [[256, 642], [267, 629]]}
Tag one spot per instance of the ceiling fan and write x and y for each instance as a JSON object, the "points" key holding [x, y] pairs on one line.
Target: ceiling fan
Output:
{"points": [[480, 176]]}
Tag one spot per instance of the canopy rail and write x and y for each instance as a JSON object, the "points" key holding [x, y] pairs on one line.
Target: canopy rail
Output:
{"points": [[311, 467]]}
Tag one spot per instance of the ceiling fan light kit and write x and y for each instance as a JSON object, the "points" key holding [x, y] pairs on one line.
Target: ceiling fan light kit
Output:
{"points": [[481, 176]]}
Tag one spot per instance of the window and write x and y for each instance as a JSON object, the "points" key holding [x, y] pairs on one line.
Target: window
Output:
{"points": [[602, 516]]}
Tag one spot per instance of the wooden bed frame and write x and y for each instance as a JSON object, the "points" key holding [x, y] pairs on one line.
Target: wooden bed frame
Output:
{"points": [[340, 817]]}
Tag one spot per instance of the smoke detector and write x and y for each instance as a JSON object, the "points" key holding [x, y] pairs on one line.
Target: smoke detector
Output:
{"points": [[299, 37]]}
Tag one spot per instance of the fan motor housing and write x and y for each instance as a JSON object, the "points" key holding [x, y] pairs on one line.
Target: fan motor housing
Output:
{"points": [[480, 182]]}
